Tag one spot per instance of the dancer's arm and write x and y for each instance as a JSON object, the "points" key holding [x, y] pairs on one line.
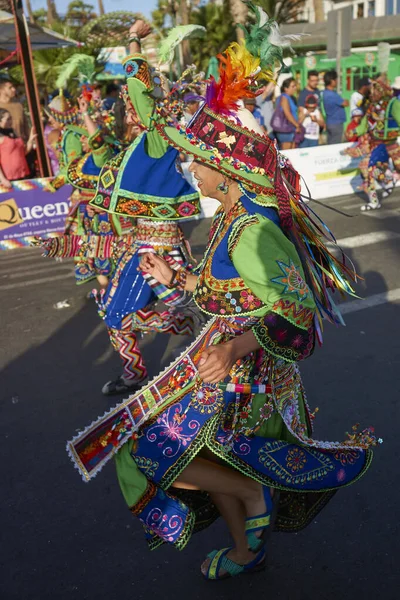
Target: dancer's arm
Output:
{"points": [[140, 86], [162, 272]]}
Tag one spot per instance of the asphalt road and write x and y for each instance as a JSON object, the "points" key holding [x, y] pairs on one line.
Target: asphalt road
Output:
{"points": [[62, 539]]}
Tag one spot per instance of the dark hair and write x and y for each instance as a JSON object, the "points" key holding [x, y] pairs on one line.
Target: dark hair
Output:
{"points": [[119, 114], [286, 83], [329, 77], [112, 87], [4, 81], [3, 111], [312, 73], [97, 86]]}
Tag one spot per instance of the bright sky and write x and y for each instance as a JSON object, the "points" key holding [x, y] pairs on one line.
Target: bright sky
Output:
{"points": [[143, 6]]}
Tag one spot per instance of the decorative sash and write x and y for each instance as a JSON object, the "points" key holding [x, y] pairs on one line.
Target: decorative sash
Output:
{"points": [[91, 449], [83, 246]]}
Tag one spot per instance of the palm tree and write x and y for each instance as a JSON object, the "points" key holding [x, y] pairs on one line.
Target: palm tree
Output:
{"points": [[101, 8], [30, 12], [220, 32], [51, 12], [239, 11], [319, 14]]}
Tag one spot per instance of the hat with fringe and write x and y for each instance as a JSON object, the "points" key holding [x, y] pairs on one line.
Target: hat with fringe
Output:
{"points": [[61, 110]]}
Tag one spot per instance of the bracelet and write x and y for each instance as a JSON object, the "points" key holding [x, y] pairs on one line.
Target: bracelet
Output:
{"points": [[85, 114], [178, 279], [134, 38], [174, 274]]}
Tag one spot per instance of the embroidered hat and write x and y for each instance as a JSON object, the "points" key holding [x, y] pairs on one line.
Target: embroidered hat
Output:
{"points": [[60, 110], [219, 133]]}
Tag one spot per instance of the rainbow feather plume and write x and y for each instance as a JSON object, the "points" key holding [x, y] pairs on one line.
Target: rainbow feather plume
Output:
{"points": [[223, 96]]}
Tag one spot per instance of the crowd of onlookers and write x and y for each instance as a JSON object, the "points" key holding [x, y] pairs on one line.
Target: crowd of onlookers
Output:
{"points": [[296, 119], [312, 116], [17, 137]]}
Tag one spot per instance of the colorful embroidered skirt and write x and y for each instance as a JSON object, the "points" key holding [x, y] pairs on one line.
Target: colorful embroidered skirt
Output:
{"points": [[128, 291], [266, 436]]}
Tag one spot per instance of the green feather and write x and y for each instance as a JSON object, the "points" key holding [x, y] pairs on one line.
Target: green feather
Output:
{"points": [[83, 64], [167, 46]]}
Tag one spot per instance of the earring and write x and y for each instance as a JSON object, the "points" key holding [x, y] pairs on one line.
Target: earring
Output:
{"points": [[223, 187]]}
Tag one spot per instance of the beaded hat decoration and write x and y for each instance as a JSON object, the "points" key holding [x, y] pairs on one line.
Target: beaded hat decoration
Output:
{"points": [[61, 110]]}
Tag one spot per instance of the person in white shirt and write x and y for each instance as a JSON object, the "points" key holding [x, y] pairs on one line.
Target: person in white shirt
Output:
{"points": [[312, 120], [357, 98]]}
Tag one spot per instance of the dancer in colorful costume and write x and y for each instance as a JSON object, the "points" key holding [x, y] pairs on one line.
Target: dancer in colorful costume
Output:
{"points": [[378, 145], [84, 220], [227, 425], [143, 181]]}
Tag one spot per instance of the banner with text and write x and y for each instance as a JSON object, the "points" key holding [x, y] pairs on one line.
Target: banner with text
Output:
{"points": [[29, 209], [326, 170]]}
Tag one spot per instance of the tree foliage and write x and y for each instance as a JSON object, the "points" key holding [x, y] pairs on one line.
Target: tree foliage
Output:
{"points": [[284, 11], [220, 32]]}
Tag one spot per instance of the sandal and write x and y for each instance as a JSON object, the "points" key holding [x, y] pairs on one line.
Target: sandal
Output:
{"points": [[263, 522], [219, 561], [120, 386]]}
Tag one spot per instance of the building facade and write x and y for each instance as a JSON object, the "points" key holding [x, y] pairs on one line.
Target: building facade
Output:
{"points": [[361, 8]]}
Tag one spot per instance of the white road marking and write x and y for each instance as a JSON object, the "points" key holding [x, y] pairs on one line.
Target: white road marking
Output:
{"points": [[367, 239], [21, 284], [382, 214], [369, 302]]}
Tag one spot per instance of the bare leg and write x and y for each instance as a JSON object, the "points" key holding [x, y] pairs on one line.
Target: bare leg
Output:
{"points": [[234, 495], [102, 280]]}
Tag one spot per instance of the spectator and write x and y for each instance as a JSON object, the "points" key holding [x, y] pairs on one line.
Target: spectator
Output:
{"points": [[251, 105], [311, 88], [286, 103], [265, 104], [357, 98], [16, 110], [334, 108], [192, 103], [96, 94], [112, 93], [312, 121], [13, 164], [356, 116], [396, 87]]}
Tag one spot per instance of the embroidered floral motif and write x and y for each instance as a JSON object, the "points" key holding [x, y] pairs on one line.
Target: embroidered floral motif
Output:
{"points": [[291, 280], [296, 459], [170, 433], [207, 399], [249, 300], [146, 465]]}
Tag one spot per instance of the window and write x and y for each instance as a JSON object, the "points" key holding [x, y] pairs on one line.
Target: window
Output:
{"points": [[371, 8], [390, 7], [360, 10]]}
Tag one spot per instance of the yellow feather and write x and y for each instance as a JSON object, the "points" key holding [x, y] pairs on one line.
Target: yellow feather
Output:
{"points": [[246, 64]]}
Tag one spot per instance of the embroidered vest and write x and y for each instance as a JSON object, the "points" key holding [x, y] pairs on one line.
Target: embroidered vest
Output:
{"points": [[220, 290]]}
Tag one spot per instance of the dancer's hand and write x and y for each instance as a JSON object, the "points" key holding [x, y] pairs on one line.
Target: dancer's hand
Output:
{"points": [[157, 267], [216, 362], [140, 28]]}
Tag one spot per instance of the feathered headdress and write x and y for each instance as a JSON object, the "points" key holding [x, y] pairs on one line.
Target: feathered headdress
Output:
{"points": [[264, 40], [81, 64]]}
